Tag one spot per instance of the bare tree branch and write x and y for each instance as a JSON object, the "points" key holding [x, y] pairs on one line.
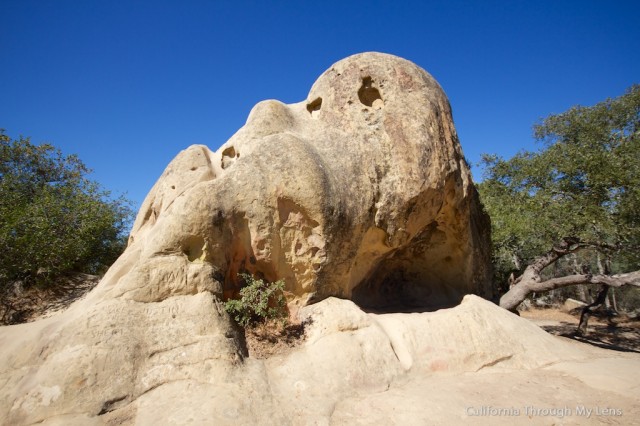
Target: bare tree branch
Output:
{"points": [[511, 299]]}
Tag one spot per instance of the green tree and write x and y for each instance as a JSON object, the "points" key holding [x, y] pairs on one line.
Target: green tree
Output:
{"points": [[53, 219], [580, 192]]}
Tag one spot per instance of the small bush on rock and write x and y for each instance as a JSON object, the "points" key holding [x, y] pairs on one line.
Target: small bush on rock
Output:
{"points": [[259, 302]]}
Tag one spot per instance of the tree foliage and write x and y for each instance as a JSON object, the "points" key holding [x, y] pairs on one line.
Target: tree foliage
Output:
{"points": [[53, 219], [581, 191]]}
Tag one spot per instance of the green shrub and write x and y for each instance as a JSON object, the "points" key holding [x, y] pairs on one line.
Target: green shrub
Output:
{"points": [[259, 301]]}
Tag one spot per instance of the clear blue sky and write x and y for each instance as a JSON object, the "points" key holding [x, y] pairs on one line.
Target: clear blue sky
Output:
{"points": [[127, 84]]}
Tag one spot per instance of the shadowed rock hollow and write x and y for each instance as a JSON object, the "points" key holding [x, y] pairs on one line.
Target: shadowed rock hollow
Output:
{"points": [[359, 192]]}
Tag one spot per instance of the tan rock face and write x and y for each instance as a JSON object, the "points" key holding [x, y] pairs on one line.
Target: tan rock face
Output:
{"points": [[359, 192], [362, 192]]}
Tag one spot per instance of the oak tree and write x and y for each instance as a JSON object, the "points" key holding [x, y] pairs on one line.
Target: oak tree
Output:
{"points": [[53, 219], [579, 193]]}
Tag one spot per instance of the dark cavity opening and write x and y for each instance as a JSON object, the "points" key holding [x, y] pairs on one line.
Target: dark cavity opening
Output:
{"points": [[368, 94], [403, 290], [229, 155], [419, 277], [314, 106]]}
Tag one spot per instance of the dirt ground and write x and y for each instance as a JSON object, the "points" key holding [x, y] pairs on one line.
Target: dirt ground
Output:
{"points": [[273, 338], [617, 332], [37, 303]]}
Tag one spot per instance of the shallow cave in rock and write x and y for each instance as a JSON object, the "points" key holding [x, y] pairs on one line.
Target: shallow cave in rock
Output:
{"points": [[404, 291], [428, 274]]}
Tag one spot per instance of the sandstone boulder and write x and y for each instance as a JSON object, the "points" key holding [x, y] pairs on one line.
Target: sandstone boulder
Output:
{"points": [[359, 192]]}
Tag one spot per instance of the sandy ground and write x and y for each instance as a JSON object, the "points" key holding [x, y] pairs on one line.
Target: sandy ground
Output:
{"points": [[618, 333]]}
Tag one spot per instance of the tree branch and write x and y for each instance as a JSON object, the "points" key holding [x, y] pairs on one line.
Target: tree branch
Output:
{"points": [[511, 299], [632, 278]]}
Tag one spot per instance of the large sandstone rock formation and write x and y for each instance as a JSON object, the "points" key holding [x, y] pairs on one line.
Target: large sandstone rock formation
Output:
{"points": [[360, 192]]}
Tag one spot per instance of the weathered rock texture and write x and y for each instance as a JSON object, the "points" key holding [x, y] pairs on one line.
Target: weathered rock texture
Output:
{"points": [[180, 362], [360, 192]]}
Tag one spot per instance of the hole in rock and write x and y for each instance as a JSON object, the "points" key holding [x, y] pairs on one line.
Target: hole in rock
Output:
{"points": [[427, 274], [368, 94], [229, 152], [229, 155], [193, 247], [314, 106]]}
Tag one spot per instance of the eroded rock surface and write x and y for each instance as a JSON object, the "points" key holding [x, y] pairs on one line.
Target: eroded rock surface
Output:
{"points": [[181, 362], [359, 192]]}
